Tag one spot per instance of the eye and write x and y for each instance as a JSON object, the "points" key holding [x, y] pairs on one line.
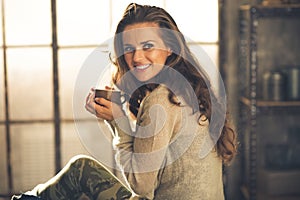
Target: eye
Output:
{"points": [[147, 46], [128, 49]]}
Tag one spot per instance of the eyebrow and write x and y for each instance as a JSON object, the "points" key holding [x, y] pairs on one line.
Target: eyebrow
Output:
{"points": [[147, 41], [141, 42]]}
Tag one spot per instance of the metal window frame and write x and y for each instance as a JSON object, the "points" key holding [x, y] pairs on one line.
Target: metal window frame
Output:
{"points": [[57, 120]]}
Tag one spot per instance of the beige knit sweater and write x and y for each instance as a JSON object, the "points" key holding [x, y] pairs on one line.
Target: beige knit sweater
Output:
{"points": [[161, 158]]}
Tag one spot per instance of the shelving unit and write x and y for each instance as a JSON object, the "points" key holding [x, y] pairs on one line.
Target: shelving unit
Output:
{"points": [[263, 103], [269, 40]]}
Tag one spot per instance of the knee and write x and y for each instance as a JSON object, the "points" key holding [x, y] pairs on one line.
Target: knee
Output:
{"points": [[78, 160]]}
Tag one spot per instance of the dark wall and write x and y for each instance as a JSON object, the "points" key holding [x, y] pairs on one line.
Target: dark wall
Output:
{"points": [[229, 35], [278, 50]]}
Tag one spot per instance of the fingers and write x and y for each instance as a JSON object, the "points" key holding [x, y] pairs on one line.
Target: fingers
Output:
{"points": [[99, 111], [103, 102], [90, 96], [102, 108], [89, 106], [107, 109], [109, 88], [99, 107], [103, 113]]}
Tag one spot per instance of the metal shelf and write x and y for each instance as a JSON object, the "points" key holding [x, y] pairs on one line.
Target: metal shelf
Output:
{"points": [[263, 103], [252, 60]]}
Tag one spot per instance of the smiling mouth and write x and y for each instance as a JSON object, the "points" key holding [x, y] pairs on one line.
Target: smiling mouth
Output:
{"points": [[142, 67]]}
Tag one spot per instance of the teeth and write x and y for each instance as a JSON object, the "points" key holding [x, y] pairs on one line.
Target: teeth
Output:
{"points": [[142, 66]]}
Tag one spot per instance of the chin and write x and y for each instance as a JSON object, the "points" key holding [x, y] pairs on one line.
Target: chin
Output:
{"points": [[142, 78]]}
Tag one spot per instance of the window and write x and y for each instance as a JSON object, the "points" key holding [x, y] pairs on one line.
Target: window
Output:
{"points": [[37, 76]]}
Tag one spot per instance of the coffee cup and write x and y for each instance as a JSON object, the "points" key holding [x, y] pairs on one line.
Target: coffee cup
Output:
{"points": [[111, 95]]}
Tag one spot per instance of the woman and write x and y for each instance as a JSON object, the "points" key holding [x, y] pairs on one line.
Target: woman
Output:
{"points": [[160, 159]]}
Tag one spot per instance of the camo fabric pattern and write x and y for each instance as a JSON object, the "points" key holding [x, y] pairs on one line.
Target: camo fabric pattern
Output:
{"points": [[84, 176]]}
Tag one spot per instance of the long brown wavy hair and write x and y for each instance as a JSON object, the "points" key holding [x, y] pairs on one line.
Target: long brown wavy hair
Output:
{"points": [[182, 61]]}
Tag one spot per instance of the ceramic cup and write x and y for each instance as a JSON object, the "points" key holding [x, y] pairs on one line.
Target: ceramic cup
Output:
{"points": [[111, 95]]}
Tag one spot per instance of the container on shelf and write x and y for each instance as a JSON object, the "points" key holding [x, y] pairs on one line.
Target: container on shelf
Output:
{"points": [[274, 84], [293, 84]]}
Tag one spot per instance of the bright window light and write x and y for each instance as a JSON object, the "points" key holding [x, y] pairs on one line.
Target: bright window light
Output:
{"points": [[82, 25], [198, 20], [82, 22], [27, 22]]}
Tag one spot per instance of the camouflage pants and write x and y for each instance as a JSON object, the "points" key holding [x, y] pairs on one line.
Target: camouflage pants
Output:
{"points": [[83, 176]]}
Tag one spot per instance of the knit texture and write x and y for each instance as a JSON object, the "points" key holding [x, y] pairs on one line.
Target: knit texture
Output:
{"points": [[161, 158]]}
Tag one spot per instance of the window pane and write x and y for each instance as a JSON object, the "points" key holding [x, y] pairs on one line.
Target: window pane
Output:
{"points": [[82, 21], [70, 62], [1, 30], [2, 104], [32, 155], [30, 83], [28, 22], [209, 61], [70, 143], [197, 20], [212, 51], [119, 6], [3, 163], [80, 70], [97, 139]]}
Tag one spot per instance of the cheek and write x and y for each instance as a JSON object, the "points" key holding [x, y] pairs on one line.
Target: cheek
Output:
{"points": [[128, 60], [161, 57]]}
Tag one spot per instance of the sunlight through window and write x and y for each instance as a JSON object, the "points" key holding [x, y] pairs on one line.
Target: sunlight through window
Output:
{"points": [[27, 22], [82, 26]]}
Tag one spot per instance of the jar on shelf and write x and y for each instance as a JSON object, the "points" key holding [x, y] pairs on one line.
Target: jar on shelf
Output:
{"points": [[274, 86], [293, 83]]}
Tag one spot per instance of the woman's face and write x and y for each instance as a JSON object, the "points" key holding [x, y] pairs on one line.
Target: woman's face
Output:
{"points": [[144, 50]]}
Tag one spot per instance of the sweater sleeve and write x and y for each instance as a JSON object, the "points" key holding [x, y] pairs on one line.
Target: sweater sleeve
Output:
{"points": [[141, 154]]}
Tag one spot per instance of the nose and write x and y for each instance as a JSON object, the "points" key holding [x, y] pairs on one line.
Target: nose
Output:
{"points": [[138, 55]]}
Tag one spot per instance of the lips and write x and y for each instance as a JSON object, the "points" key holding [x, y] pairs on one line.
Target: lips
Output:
{"points": [[142, 67]]}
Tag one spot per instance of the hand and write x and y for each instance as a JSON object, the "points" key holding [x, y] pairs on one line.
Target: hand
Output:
{"points": [[109, 88], [102, 108]]}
